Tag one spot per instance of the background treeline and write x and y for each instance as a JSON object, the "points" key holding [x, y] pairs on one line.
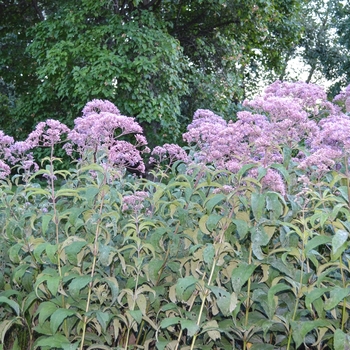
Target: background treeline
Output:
{"points": [[159, 60]]}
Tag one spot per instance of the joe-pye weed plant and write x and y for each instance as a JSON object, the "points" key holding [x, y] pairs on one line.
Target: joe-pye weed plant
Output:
{"points": [[240, 242]]}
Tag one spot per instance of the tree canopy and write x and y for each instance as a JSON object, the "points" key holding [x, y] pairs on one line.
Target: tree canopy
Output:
{"points": [[157, 60]]}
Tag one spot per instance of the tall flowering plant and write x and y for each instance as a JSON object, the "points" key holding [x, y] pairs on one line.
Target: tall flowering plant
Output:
{"points": [[291, 124], [97, 137]]}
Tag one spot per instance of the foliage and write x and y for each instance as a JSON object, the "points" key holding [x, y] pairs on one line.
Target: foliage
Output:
{"points": [[157, 60], [197, 256]]}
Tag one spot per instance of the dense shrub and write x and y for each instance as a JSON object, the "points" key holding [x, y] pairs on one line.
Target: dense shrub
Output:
{"points": [[239, 241]]}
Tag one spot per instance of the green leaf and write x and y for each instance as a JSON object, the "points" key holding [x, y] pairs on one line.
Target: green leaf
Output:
{"points": [[53, 283], [45, 222], [273, 204], [242, 227], [259, 238], [190, 325], [212, 221], [341, 340], [262, 347], [314, 295], [11, 303], [301, 328], [103, 319], [185, 287], [208, 254], [258, 205], [226, 302], [213, 201], [282, 169], [277, 288], [5, 325], [169, 321], [136, 315], [113, 285], [339, 241], [106, 254], [240, 276], [337, 295], [51, 253], [58, 317], [45, 310], [315, 242], [244, 169], [55, 341], [77, 284], [154, 267]]}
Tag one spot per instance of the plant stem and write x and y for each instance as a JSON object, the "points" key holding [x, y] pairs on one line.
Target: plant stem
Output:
{"points": [[94, 253], [344, 313]]}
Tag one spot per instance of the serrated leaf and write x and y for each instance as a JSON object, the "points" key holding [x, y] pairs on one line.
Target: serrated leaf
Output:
{"points": [[154, 267], [240, 276], [58, 317], [302, 328], [185, 287], [45, 222], [315, 242], [45, 310], [190, 325], [114, 287], [103, 319], [258, 205], [5, 325], [11, 303], [274, 205], [339, 243], [277, 288], [169, 321], [141, 302], [77, 284], [212, 221], [55, 341], [213, 201], [208, 254], [259, 239], [242, 227], [106, 254], [226, 302], [341, 340], [212, 328], [53, 283], [337, 294], [51, 253], [314, 295]]}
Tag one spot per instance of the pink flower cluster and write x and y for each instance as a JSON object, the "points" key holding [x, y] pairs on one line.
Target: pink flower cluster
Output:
{"points": [[135, 202], [281, 121], [47, 134], [96, 134], [344, 99], [168, 152], [15, 153]]}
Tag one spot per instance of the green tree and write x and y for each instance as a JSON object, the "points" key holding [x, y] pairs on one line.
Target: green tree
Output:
{"points": [[157, 60]]}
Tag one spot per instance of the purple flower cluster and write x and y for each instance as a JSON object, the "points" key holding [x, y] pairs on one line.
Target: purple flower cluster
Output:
{"points": [[283, 118], [97, 131], [343, 99], [46, 134], [15, 153], [135, 202], [168, 152]]}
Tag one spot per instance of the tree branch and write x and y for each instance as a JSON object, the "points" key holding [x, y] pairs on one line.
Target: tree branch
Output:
{"points": [[37, 10]]}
